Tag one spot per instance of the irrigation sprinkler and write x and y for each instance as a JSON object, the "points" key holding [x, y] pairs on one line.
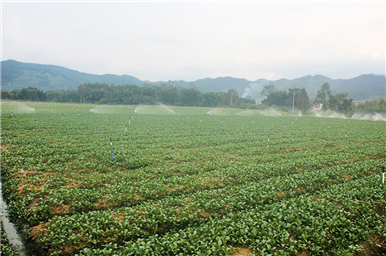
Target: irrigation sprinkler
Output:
{"points": [[345, 137], [383, 174], [222, 124], [46, 248], [11, 114], [126, 128], [268, 142], [129, 121], [62, 117], [35, 122], [111, 148]]}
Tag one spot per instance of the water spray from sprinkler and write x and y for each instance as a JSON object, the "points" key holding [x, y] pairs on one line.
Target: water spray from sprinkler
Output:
{"points": [[111, 148], [268, 141]]}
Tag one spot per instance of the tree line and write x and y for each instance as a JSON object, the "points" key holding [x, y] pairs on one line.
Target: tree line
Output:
{"points": [[293, 99], [101, 93], [176, 95], [337, 102], [298, 99]]}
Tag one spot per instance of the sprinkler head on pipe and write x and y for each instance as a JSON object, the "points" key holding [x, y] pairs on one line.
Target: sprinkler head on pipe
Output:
{"points": [[46, 248]]}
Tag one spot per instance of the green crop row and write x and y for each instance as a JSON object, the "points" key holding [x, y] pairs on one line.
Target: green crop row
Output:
{"points": [[177, 212], [318, 224], [175, 173]]}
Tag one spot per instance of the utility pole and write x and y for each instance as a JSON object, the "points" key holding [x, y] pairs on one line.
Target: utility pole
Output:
{"points": [[293, 102]]}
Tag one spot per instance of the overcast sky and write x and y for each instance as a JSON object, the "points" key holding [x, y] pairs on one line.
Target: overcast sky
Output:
{"points": [[193, 40]]}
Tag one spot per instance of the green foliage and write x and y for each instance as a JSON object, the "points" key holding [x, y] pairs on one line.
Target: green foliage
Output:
{"points": [[5, 95], [337, 102], [267, 90], [133, 95], [295, 98], [30, 93], [373, 106], [323, 95], [6, 250], [191, 183]]}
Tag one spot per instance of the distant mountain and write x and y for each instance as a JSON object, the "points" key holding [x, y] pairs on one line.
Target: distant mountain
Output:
{"points": [[363, 87], [222, 84], [17, 75]]}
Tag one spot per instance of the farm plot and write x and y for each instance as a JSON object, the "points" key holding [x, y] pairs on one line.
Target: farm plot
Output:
{"points": [[192, 181]]}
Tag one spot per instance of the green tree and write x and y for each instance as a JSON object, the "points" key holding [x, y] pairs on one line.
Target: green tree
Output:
{"points": [[14, 94], [292, 98], [277, 98], [378, 105], [267, 90], [211, 99], [31, 93], [323, 95], [231, 98], [303, 100], [5, 95], [339, 102]]}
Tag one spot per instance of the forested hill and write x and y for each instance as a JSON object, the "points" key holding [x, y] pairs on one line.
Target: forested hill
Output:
{"points": [[17, 75]]}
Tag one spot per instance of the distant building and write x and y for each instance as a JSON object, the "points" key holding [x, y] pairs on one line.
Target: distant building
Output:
{"points": [[357, 103], [317, 107]]}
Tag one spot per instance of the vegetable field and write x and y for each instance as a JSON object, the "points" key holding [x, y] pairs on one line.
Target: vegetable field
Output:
{"points": [[185, 182]]}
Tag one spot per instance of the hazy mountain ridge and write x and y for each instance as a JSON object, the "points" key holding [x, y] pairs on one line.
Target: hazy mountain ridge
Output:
{"points": [[18, 75]]}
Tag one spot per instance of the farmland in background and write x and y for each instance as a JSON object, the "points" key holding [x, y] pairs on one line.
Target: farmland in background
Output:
{"points": [[191, 181]]}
